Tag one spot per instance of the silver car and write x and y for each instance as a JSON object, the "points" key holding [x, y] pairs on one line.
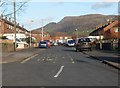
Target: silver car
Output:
{"points": [[82, 44]]}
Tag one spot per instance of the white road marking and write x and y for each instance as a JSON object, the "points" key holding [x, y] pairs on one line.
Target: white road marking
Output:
{"points": [[4, 62], [53, 62], [38, 60], [29, 58], [72, 60], [61, 68]]}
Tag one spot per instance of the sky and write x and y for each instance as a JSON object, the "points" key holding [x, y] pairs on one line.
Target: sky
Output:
{"points": [[38, 13]]}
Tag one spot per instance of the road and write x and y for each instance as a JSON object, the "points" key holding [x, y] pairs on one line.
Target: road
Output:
{"points": [[59, 66]]}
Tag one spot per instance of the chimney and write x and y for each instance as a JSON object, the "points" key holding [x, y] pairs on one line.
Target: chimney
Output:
{"points": [[1, 16], [18, 24], [10, 19], [5, 18], [22, 26]]}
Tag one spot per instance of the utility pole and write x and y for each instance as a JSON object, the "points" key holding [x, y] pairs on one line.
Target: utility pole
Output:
{"points": [[15, 24], [100, 38], [31, 35], [76, 33], [30, 39]]}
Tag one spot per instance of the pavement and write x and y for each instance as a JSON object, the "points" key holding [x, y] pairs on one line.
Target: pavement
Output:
{"points": [[19, 55], [109, 57]]}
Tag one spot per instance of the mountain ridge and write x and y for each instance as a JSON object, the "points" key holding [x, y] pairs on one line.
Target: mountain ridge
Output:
{"points": [[83, 23]]}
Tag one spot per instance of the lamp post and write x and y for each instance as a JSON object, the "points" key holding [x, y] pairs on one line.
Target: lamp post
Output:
{"points": [[44, 21]]}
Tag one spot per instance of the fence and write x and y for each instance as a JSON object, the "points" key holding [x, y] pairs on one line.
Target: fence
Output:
{"points": [[108, 45]]}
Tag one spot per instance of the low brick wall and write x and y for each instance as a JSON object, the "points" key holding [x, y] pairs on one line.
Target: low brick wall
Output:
{"points": [[7, 47]]}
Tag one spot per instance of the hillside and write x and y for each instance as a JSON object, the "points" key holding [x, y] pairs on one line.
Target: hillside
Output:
{"points": [[84, 24]]}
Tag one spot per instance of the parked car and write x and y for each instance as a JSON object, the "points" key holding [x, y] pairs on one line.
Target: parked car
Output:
{"points": [[55, 43], [71, 43], [82, 44], [43, 44], [48, 42]]}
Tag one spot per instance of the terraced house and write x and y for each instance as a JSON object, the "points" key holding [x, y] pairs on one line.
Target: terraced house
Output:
{"points": [[7, 26], [7, 29]]}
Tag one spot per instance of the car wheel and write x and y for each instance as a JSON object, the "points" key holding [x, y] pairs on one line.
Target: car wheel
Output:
{"points": [[90, 49], [76, 50], [80, 50]]}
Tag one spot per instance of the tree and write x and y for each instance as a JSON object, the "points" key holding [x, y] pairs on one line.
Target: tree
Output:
{"points": [[28, 40], [6, 7]]}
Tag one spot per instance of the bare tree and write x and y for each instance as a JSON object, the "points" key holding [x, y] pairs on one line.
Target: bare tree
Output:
{"points": [[6, 7]]}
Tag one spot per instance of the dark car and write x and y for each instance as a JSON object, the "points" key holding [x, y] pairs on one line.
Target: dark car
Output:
{"points": [[82, 44], [43, 44], [48, 41]]}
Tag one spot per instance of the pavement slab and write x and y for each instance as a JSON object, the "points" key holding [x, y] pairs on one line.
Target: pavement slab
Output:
{"points": [[19, 55]]}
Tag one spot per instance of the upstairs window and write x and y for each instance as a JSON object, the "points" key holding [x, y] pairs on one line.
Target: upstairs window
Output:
{"points": [[116, 29]]}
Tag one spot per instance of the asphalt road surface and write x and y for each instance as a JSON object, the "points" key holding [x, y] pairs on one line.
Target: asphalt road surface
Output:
{"points": [[59, 66]]}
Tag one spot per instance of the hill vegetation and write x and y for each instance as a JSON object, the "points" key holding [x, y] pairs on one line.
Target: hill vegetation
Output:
{"points": [[84, 24]]}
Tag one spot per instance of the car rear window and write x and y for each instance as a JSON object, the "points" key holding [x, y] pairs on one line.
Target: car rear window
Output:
{"points": [[42, 42], [84, 40]]}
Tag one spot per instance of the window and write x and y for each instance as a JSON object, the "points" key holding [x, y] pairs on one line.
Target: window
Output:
{"points": [[0, 23], [116, 29]]}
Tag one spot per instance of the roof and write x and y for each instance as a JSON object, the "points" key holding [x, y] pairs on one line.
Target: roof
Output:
{"points": [[11, 23], [114, 24], [99, 30]]}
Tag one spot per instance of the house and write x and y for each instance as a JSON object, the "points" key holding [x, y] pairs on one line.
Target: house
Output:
{"points": [[38, 35], [112, 31], [7, 29], [110, 34], [60, 37]]}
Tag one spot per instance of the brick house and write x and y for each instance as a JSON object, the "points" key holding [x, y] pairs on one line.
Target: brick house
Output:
{"points": [[38, 35], [7, 29], [110, 32], [7, 26], [60, 37]]}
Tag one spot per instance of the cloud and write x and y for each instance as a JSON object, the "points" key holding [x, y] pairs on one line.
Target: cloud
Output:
{"points": [[101, 5]]}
